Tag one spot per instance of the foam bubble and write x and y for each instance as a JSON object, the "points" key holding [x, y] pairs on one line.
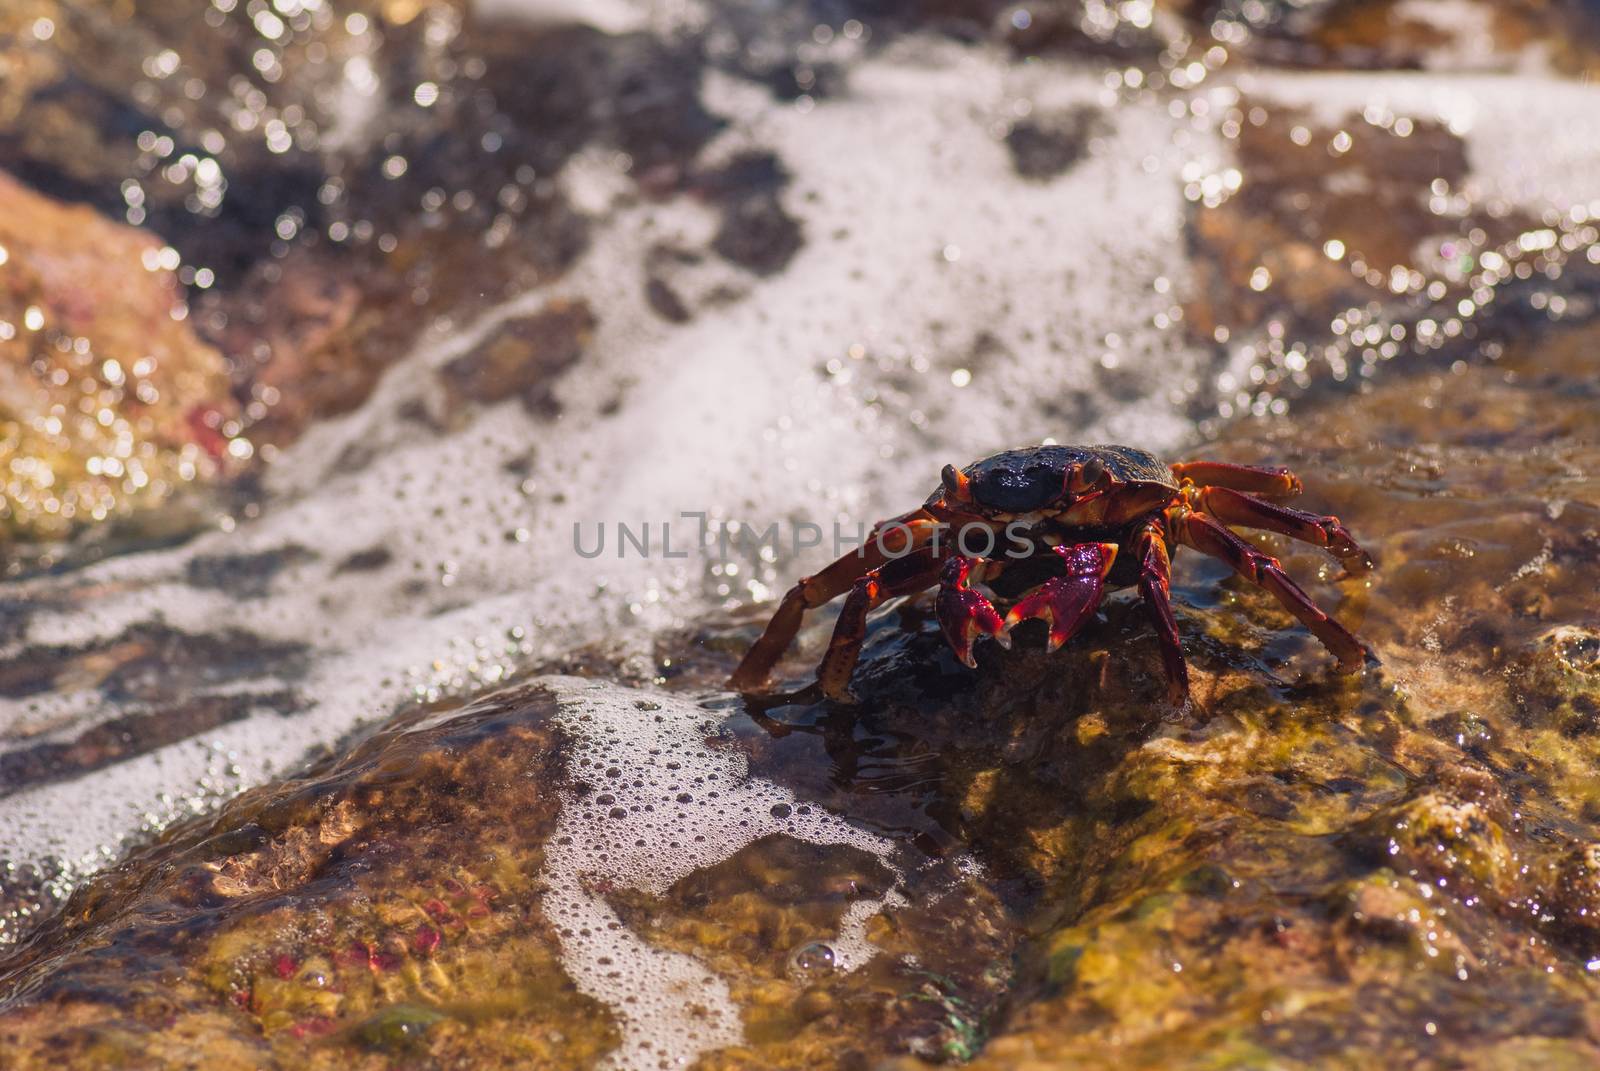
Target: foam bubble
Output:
{"points": [[665, 802]]}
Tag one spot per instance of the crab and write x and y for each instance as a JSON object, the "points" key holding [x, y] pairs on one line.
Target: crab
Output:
{"points": [[1075, 521]]}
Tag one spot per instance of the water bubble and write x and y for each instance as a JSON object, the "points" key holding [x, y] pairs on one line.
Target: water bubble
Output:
{"points": [[811, 959]]}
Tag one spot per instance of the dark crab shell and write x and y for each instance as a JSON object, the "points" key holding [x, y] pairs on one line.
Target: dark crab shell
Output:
{"points": [[1021, 481]]}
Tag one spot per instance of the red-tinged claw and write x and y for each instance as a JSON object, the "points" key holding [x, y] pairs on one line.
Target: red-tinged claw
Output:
{"points": [[964, 614], [1066, 602]]}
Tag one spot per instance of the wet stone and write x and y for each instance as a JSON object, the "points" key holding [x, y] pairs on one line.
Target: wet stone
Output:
{"points": [[113, 403], [371, 909], [756, 233], [245, 576], [523, 358], [1045, 146]]}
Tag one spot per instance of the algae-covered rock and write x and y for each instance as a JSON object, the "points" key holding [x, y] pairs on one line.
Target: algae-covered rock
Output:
{"points": [[387, 909], [1034, 864], [108, 399], [493, 888]]}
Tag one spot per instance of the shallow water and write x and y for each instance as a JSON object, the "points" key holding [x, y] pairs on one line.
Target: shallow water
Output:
{"points": [[778, 266]]}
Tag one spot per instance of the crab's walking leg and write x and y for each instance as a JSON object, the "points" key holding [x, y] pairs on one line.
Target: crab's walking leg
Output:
{"points": [[1155, 585], [1279, 482], [964, 614], [1210, 536], [1232, 507], [812, 591], [1066, 602], [899, 577]]}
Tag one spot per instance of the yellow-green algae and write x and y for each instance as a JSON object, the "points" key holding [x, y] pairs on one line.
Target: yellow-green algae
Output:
{"points": [[384, 911], [109, 401]]}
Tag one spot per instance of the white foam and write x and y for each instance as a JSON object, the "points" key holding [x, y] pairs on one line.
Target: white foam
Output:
{"points": [[611, 16], [666, 801]]}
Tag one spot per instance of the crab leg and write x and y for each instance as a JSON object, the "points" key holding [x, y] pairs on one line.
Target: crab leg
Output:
{"points": [[1066, 602], [1232, 507], [899, 577], [1210, 536], [1275, 481], [964, 614], [1155, 586], [812, 591]]}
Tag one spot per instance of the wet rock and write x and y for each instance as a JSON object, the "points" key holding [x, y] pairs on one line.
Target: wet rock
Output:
{"points": [[384, 909], [1476, 35], [523, 357], [160, 684], [319, 225], [365, 560], [756, 232], [246, 576], [665, 301], [1562, 679], [1573, 900], [110, 402], [1266, 250], [1045, 146], [1443, 836], [768, 919], [1065, 28]]}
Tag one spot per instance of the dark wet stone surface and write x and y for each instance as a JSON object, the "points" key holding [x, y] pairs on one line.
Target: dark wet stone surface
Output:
{"points": [[523, 358], [665, 301], [756, 233], [366, 560], [120, 738], [221, 677], [245, 576], [1045, 146]]}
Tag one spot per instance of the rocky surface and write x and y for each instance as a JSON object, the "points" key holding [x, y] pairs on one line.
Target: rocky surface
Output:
{"points": [[108, 399], [503, 273], [1303, 868]]}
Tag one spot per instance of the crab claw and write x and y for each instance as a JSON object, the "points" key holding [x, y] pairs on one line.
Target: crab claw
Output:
{"points": [[1066, 602], [964, 614]]}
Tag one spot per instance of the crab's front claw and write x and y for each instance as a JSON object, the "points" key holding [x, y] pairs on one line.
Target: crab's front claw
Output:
{"points": [[1066, 602], [964, 614]]}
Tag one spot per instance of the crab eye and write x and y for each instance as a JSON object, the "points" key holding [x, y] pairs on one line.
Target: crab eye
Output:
{"points": [[955, 483], [1085, 477]]}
